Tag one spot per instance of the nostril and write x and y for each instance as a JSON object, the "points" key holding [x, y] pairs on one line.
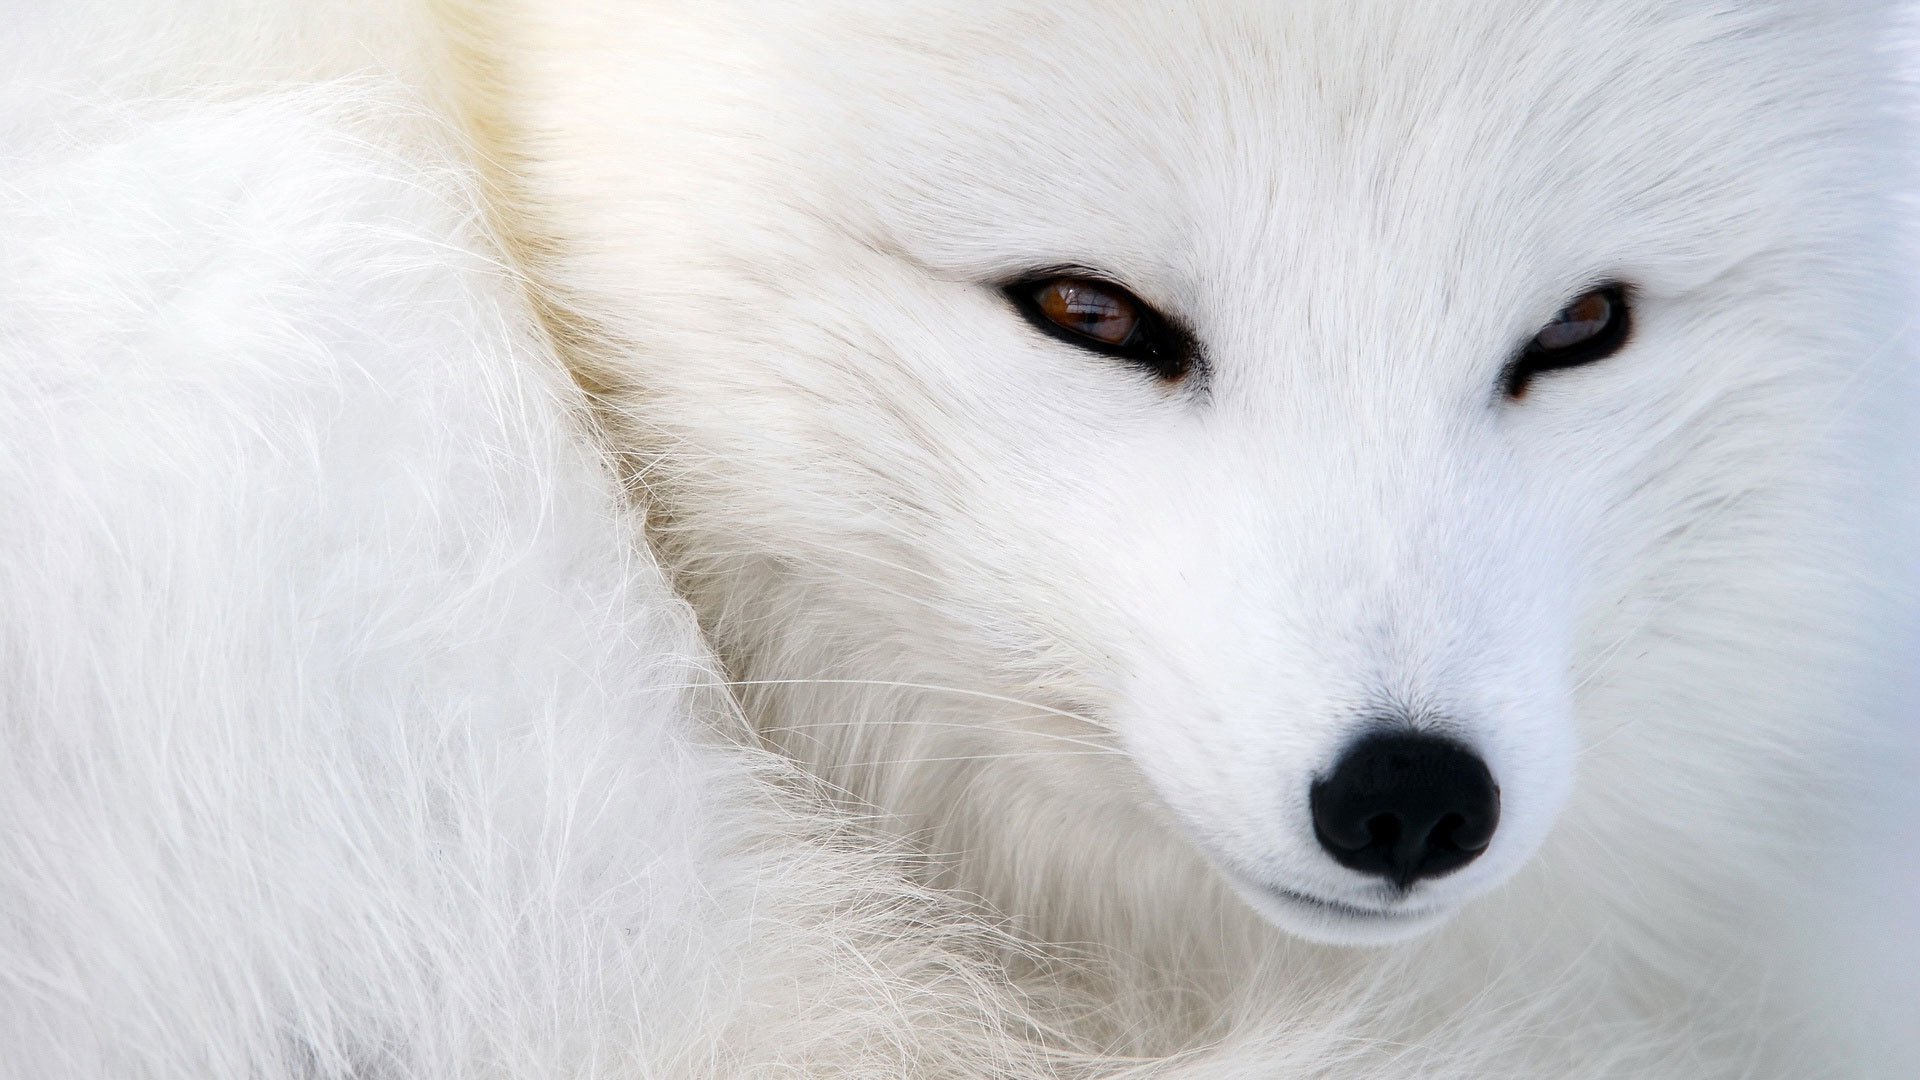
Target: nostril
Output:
{"points": [[1405, 807], [1383, 830]]}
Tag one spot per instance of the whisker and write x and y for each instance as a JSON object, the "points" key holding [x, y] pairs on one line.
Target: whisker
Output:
{"points": [[1055, 736], [982, 695], [977, 757]]}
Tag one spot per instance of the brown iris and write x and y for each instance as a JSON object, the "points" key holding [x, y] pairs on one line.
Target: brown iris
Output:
{"points": [[1102, 317], [1090, 309], [1593, 327], [1582, 320]]}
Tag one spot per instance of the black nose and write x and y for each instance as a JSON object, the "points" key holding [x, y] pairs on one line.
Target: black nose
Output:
{"points": [[1406, 807]]}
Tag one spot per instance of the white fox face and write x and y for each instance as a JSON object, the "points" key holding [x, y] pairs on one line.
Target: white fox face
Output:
{"points": [[1240, 421]]}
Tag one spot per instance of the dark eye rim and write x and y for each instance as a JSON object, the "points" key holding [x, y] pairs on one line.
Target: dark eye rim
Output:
{"points": [[1158, 344], [1532, 360]]}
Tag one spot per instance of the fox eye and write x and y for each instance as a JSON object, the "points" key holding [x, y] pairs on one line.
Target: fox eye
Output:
{"points": [[1104, 318], [1108, 316], [1593, 327]]}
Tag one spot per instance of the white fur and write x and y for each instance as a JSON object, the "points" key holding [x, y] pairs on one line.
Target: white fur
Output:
{"points": [[1090, 639], [349, 729], [346, 730]]}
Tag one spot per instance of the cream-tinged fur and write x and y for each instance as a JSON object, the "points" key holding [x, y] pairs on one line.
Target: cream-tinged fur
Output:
{"points": [[348, 729]]}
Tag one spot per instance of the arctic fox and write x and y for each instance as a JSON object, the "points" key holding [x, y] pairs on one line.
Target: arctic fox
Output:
{"points": [[1237, 482], [1347, 539]]}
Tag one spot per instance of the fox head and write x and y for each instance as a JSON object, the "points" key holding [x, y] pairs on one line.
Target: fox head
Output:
{"points": [[1303, 444]]}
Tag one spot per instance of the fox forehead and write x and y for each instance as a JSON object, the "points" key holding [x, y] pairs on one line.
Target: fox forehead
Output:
{"points": [[1319, 162], [1234, 147]]}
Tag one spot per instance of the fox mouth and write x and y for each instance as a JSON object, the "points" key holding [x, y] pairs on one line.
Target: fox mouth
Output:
{"points": [[1345, 909], [1332, 921], [1337, 907]]}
